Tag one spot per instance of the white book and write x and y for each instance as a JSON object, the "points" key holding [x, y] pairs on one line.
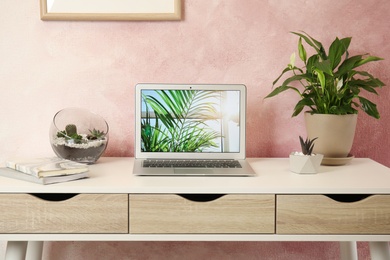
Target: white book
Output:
{"points": [[44, 167], [10, 173]]}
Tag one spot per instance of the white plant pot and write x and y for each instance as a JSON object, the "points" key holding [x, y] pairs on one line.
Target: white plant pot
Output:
{"points": [[335, 133], [305, 163]]}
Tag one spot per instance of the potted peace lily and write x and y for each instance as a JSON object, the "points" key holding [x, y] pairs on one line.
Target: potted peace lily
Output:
{"points": [[329, 85], [305, 161]]}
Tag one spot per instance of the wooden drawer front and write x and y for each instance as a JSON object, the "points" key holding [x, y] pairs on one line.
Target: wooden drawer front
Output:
{"points": [[83, 213], [165, 213], [318, 214]]}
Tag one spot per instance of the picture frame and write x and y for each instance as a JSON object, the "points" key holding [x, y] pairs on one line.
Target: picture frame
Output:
{"points": [[110, 10]]}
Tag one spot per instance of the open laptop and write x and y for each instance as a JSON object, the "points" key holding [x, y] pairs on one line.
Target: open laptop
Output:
{"points": [[190, 129]]}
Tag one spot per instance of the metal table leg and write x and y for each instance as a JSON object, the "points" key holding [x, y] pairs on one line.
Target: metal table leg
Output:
{"points": [[348, 250], [34, 250], [16, 250], [379, 251]]}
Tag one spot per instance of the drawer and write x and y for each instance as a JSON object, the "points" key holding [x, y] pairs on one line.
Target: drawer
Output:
{"points": [[201, 213], [320, 214], [64, 213]]}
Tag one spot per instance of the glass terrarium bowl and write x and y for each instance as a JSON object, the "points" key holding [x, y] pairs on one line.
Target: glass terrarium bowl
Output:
{"points": [[78, 135]]}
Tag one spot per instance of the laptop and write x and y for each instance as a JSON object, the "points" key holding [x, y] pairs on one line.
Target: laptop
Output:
{"points": [[190, 130]]}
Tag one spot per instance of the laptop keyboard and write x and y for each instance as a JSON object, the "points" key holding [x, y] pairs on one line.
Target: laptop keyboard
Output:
{"points": [[164, 163]]}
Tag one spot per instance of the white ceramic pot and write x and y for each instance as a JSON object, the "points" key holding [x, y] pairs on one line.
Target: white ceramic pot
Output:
{"points": [[305, 163]]}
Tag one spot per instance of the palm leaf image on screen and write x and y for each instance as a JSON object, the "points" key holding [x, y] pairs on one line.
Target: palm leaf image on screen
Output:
{"points": [[177, 121]]}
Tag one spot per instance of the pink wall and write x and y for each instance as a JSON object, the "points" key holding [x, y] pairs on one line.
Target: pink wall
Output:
{"points": [[46, 66]]}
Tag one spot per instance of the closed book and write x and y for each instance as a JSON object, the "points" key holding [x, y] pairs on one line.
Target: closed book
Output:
{"points": [[10, 173], [44, 167]]}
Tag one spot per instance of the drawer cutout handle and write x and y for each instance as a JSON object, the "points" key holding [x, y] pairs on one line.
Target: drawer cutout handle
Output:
{"points": [[348, 198], [54, 196], [201, 197]]}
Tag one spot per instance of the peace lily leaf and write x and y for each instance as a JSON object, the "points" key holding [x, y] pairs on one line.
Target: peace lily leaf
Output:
{"points": [[325, 66], [310, 63], [279, 90], [369, 107], [301, 104], [348, 64], [366, 60], [296, 78], [337, 50], [321, 77], [313, 43], [367, 85], [284, 71]]}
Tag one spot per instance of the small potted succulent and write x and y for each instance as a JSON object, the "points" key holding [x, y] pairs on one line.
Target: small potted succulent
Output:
{"points": [[305, 161], [79, 135]]}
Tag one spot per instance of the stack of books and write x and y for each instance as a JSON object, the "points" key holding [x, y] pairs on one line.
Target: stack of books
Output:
{"points": [[44, 170]]}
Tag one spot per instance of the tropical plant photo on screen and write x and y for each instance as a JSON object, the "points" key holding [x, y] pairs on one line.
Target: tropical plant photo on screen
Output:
{"points": [[178, 120]]}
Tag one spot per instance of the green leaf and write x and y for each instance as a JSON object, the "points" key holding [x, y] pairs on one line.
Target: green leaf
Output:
{"points": [[161, 111], [366, 60], [295, 78], [279, 90], [183, 115], [368, 84], [375, 81], [324, 66], [354, 62], [321, 77], [302, 104], [307, 145], [284, 71], [313, 43], [310, 63], [348, 65], [369, 107], [337, 50]]}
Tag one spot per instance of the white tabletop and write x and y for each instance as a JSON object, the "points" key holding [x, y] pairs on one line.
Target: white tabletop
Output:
{"points": [[114, 175]]}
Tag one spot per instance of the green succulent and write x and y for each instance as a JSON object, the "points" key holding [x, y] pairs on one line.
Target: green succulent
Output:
{"points": [[95, 134], [76, 138], [307, 145], [70, 134], [61, 134]]}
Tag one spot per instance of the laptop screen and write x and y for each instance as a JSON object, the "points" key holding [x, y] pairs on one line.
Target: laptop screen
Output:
{"points": [[199, 120]]}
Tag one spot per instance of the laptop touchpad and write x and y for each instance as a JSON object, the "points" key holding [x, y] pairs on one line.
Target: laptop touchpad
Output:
{"points": [[184, 171]]}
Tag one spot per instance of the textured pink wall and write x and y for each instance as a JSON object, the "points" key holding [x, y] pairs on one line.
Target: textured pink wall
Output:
{"points": [[46, 66]]}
